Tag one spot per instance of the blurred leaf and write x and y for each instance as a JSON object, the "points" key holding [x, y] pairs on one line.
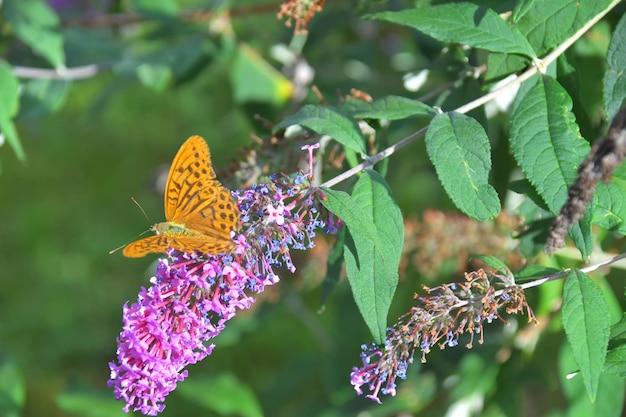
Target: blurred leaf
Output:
{"points": [[157, 68], [224, 394], [325, 121], [389, 108], [255, 80], [334, 266], [90, 404], [586, 323], [42, 97], [12, 389], [36, 24], [614, 78], [9, 102], [459, 148], [154, 76], [168, 8], [463, 23], [373, 275], [9, 86]]}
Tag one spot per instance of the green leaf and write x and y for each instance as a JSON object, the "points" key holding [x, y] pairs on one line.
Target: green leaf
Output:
{"points": [[544, 24], [156, 69], [224, 395], [614, 78], [611, 390], [546, 142], [354, 216], [326, 121], [616, 356], [459, 148], [389, 108], [161, 8], [12, 389], [548, 23], [493, 262], [89, 404], [610, 207], [373, 275], [36, 24], [9, 88], [464, 23], [581, 234], [154, 76], [524, 187], [9, 104], [255, 80], [586, 323], [42, 97]]}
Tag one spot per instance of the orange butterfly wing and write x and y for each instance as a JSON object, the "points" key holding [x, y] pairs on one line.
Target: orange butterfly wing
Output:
{"points": [[142, 247], [200, 212], [193, 195]]}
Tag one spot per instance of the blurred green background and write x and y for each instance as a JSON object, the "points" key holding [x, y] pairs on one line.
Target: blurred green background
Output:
{"points": [[62, 210]]}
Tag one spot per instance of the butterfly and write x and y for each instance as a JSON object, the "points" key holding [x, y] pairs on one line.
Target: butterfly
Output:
{"points": [[199, 210]]}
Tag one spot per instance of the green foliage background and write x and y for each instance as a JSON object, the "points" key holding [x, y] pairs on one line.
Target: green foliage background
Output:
{"points": [[68, 204]]}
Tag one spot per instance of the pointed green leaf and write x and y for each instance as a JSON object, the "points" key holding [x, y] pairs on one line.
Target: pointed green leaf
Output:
{"points": [[354, 216], [326, 121], [373, 276], [614, 78], [389, 108], [586, 323], [36, 24], [459, 148], [546, 142], [464, 23]]}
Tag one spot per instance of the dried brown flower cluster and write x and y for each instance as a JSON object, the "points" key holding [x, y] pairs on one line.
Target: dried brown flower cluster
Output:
{"points": [[441, 316], [302, 11]]}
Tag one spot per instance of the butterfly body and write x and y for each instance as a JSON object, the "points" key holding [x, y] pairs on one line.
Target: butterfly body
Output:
{"points": [[200, 211]]}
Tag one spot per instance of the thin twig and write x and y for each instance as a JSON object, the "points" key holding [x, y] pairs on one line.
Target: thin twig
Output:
{"points": [[75, 73]]}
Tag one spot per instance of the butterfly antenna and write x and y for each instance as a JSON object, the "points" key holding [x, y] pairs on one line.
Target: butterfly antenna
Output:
{"points": [[140, 208], [111, 252]]}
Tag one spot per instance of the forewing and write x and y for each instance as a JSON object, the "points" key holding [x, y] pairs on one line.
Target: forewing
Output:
{"points": [[191, 182], [142, 247]]}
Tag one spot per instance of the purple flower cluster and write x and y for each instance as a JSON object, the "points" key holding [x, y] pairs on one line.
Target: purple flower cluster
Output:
{"points": [[193, 296], [440, 318]]}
